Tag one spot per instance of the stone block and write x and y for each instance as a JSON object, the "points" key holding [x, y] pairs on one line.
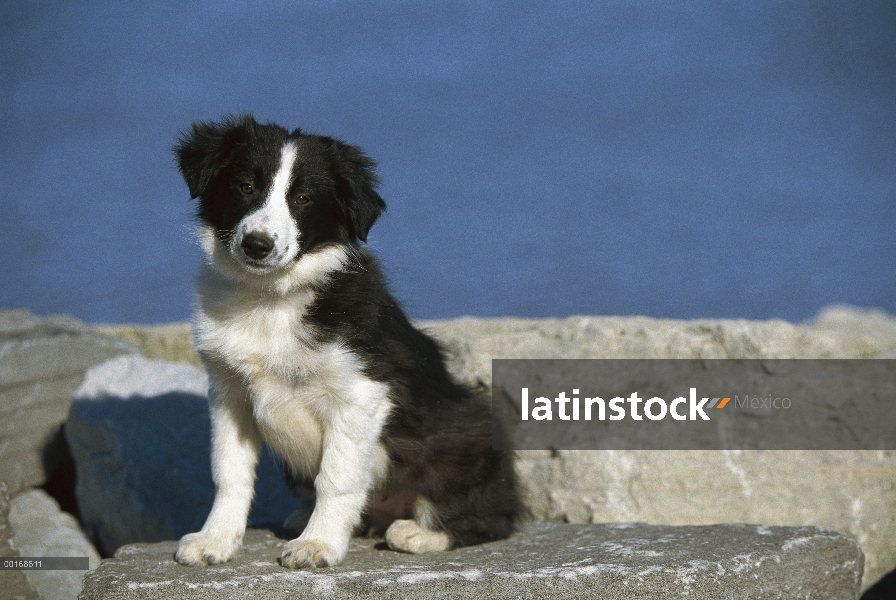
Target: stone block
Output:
{"points": [[849, 491], [837, 332], [13, 583], [40, 528], [852, 491], [543, 560], [42, 361], [33, 348]]}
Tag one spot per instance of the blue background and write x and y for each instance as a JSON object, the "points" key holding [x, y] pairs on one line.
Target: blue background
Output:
{"points": [[700, 159]]}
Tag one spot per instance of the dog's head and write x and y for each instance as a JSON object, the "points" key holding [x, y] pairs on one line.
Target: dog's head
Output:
{"points": [[269, 197]]}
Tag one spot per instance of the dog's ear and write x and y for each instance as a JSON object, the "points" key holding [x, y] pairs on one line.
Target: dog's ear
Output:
{"points": [[356, 182], [204, 150]]}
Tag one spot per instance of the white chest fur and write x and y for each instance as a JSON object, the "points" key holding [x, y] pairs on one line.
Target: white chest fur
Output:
{"points": [[253, 332], [299, 390]]}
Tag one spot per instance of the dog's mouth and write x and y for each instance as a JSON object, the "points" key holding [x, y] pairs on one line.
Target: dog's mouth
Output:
{"points": [[270, 263], [259, 266], [256, 265]]}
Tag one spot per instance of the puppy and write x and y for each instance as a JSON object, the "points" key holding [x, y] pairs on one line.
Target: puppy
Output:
{"points": [[307, 351]]}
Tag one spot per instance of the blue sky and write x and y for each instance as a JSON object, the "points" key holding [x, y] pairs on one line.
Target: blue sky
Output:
{"points": [[699, 159]]}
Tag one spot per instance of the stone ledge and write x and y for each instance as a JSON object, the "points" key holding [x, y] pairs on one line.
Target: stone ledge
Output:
{"points": [[848, 491], [543, 560]]}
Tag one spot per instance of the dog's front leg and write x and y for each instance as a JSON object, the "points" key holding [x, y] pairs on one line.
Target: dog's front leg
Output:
{"points": [[236, 445], [347, 472]]}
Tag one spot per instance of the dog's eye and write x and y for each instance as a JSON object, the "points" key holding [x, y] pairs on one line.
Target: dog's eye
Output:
{"points": [[299, 200], [246, 188]]}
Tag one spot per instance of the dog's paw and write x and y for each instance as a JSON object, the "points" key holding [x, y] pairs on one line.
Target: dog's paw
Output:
{"points": [[309, 553], [405, 535], [197, 549]]}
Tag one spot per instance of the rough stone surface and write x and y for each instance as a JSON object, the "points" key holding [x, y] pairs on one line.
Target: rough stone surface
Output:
{"points": [[837, 332], [544, 560], [42, 361], [172, 341], [139, 435], [40, 528], [13, 584], [849, 491]]}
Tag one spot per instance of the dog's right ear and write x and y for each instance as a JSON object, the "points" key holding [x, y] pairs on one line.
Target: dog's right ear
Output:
{"points": [[205, 149]]}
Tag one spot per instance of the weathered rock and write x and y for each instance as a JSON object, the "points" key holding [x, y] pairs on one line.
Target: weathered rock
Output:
{"points": [[13, 583], [852, 491], [139, 435], [171, 341], [42, 361], [40, 528], [627, 560], [838, 332], [847, 491]]}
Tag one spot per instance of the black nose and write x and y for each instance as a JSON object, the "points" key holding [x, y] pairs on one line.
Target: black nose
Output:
{"points": [[257, 245]]}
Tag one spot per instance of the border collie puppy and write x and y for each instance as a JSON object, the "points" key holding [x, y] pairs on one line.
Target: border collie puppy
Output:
{"points": [[307, 351]]}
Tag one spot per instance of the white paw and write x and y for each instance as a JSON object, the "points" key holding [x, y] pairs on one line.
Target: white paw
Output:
{"points": [[310, 553], [405, 535], [198, 549]]}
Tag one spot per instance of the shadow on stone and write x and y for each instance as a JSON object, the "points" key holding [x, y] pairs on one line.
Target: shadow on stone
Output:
{"points": [[884, 589], [142, 455]]}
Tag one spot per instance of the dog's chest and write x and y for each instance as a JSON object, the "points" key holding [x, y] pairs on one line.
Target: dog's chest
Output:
{"points": [[270, 345], [267, 343], [260, 337]]}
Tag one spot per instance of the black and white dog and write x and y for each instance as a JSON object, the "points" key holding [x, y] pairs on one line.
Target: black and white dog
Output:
{"points": [[307, 350]]}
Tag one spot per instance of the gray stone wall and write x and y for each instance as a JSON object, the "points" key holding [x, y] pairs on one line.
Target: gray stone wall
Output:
{"points": [[853, 492], [42, 361]]}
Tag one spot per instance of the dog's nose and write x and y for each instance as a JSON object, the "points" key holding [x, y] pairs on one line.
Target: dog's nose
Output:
{"points": [[257, 245]]}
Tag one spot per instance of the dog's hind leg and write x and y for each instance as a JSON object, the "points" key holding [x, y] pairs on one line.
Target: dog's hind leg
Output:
{"points": [[420, 534], [488, 509]]}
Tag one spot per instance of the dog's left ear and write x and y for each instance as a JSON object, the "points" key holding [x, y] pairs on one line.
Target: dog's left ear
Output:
{"points": [[356, 182]]}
